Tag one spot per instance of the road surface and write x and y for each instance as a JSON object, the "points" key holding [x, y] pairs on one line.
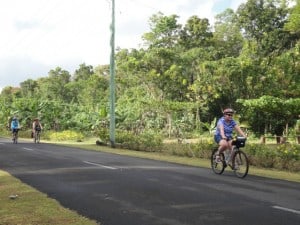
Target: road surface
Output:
{"points": [[122, 190]]}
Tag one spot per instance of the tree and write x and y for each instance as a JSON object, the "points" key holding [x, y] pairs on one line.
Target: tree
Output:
{"points": [[164, 31], [269, 114], [53, 87], [293, 24], [28, 88], [94, 92], [161, 60], [263, 22], [196, 33], [227, 36], [83, 73]]}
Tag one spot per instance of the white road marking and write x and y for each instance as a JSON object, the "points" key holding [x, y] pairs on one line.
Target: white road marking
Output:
{"points": [[97, 164], [286, 209], [28, 149]]}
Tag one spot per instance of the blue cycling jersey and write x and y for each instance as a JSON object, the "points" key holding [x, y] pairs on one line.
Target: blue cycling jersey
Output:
{"points": [[228, 127], [14, 124]]}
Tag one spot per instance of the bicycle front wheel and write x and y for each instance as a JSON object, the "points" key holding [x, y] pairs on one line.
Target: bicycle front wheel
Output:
{"points": [[240, 164], [217, 167]]}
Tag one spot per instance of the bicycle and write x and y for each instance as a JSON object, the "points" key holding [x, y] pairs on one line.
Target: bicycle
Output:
{"points": [[239, 160], [15, 136], [37, 136]]}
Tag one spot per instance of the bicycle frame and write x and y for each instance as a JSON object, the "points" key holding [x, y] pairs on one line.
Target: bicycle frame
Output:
{"points": [[15, 137], [37, 135], [239, 160]]}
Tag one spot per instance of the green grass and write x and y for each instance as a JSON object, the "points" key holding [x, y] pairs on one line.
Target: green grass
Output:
{"points": [[31, 207]]}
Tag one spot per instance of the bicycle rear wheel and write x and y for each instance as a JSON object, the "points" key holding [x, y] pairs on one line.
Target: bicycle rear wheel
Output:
{"points": [[217, 167], [240, 164], [15, 138], [38, 136]]}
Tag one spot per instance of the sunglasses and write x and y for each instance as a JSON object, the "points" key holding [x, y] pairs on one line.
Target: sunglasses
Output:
{"points": [[229, 114]]}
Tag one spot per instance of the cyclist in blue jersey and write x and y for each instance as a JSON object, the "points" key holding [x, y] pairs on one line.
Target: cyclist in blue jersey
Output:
{"points": [[14, 125], [225, 127]]}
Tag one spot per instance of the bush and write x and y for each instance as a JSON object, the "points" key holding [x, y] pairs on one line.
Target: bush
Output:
{"points": [[65, 136], [284, 156], [201, 149], [103, 133], [146, 141]]}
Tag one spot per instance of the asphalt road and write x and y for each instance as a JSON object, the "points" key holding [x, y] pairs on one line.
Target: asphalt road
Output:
{"points": [[121, 190]]}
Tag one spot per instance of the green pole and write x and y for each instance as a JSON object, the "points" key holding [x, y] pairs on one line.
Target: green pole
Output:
{"points": [[112, 78]]}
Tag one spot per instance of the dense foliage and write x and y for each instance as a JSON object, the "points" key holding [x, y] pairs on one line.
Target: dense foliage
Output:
{"points": [[181, 79]]}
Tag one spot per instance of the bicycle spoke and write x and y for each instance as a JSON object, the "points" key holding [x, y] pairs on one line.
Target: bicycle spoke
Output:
{"points": [[15, 138], [240, 164], [37, 136], [217, 167]]}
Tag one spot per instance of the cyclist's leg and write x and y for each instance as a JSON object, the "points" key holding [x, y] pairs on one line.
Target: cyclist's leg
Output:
{"points": [[38, 136], [230, 148], [17, 135], [35, 136], [217, 167], [13, 134], [223, 145], [216, 153]]}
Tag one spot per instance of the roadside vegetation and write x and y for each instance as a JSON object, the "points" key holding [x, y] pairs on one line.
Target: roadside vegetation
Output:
{"points": [[180, 80]]}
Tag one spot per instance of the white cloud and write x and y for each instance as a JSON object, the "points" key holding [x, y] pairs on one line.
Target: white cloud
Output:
{"points": [[39, 35]]}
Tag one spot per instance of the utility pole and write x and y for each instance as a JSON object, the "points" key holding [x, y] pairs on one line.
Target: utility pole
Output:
{"points": [[112, 78]]}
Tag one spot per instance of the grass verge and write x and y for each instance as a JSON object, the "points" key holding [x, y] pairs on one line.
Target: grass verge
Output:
{"points": [[24, 205]]}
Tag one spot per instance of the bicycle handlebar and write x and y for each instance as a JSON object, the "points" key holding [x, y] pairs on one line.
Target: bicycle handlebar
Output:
{"points": [[239, 141]]}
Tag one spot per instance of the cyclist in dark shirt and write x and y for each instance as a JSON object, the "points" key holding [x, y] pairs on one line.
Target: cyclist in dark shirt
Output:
{"points": [[36, 126]]}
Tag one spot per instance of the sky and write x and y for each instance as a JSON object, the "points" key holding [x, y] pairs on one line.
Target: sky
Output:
{"points": [[40, 35]]}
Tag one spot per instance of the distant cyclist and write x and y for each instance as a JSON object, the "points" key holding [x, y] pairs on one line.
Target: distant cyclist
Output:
{"points": [[36, 126], [15, 125]]}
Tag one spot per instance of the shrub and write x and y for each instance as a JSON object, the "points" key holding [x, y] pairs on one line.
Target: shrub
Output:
{"points": [[284, 156], [261, 155], [103, 133], [146, 141], [288, 151], [65, 136], [200, 149], [288, 157]]}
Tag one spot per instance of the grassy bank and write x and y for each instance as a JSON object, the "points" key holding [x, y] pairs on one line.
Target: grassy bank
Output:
{"points": [[24, 205]]}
